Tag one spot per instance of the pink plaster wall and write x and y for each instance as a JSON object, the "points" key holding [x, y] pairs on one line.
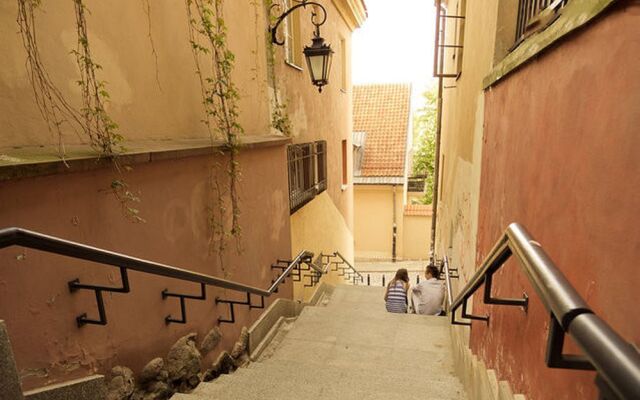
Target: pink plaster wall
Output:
{"points": [[35, 301], [561, 156]]}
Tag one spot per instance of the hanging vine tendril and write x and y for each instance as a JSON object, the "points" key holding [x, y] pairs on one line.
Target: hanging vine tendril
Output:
{"points": [[93, 119], [208, 40], [279, 116], [53, 107]]}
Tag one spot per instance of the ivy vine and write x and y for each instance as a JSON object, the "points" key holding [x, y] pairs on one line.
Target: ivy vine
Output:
{"points": [[279, 116], [208, 40], [92, 119]]}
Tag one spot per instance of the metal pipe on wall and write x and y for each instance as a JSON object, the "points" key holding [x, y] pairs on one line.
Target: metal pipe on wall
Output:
{"points": [[395, 227], [436, 173]]}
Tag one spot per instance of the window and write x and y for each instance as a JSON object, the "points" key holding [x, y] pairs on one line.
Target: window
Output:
{"points": [[449, 38], [345, 175], [292, 41], [307, 172], [344, 84], [534, 15]]}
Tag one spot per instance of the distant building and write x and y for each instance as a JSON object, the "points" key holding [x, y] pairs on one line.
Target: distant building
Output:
{"points": [[384, 228]]}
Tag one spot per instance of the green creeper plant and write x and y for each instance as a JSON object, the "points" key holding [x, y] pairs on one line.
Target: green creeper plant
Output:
{"points": [[424, 127], [208, 40], [92, 119]]}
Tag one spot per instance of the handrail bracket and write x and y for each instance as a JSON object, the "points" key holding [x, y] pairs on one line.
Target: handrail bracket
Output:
{"points": [[183, 313], [75, 285], [231, 303], [488, 299], [554, 356]]}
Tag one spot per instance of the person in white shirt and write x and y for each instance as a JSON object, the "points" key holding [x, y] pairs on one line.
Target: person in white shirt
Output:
{"points": [[429, 294]]}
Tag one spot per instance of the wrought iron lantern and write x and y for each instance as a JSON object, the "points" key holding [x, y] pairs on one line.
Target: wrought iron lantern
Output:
{"points": [[319, 54]]}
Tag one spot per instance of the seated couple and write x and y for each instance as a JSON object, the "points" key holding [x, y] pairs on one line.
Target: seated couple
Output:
{"points": [[428, 294]]}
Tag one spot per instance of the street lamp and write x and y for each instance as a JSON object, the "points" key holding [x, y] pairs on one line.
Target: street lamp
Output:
{"points": [[319, 54]]}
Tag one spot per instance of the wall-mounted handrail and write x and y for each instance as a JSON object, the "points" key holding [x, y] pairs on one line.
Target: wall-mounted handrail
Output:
{"points": [[51, 244], [344, 260], [447, 279], [616, 361]]}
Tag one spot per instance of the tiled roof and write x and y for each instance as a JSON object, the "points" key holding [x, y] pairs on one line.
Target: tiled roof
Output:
{"points": [[382, 112], [418, 209]]}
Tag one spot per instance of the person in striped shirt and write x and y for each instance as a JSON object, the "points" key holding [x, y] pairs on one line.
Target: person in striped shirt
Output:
{"points": [[396, 294]]}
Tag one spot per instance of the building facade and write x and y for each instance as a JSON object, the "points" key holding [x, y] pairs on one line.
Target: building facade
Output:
{"points": [[387, 225], [170, 172], [538, 117]]}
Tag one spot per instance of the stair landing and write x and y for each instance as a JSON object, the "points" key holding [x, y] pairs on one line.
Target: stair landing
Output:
{"points": [[350, 349]]}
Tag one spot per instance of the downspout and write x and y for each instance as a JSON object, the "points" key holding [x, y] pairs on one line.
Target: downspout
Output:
{"points": [[436, 173], [395, 227], [438, 69]]}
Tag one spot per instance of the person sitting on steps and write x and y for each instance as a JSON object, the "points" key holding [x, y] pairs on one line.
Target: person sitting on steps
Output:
{"points": [[396, 294], [429, 293]]}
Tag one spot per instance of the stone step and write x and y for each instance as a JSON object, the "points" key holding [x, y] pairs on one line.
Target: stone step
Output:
{"points": [[351, 349]]}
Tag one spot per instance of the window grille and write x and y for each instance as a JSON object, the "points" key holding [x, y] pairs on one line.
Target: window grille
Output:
{"points": [[416, 184], [441, 44], [531, 15], [307, 172]]}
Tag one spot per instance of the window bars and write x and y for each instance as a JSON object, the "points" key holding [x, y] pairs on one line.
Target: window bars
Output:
{"points": [[441, 44], [531, 16], [307, 172]]}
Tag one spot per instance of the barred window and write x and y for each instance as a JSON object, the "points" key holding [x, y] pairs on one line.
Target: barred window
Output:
{"points": [[307, 172], [534, 15]]}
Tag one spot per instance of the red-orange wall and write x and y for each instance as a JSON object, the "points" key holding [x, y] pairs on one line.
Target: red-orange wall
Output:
{"points": [[562, 156], [34, 298]]}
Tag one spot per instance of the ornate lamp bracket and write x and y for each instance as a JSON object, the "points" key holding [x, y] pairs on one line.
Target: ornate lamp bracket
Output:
{"points": [[315, 20]]}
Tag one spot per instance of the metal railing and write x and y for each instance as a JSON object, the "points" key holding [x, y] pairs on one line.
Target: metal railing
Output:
{"points": [[616, 361], [50, 244], [342, 266]]}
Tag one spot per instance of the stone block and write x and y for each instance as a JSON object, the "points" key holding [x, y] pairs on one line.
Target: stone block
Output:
{"points": [[89, 388], [10, 383]]}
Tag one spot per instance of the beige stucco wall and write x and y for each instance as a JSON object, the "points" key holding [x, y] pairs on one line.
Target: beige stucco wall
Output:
{"points": [[320, 228], [462, 125], [416, 234], [118, 34], [327, 115], [373, 206], [326, 223]]}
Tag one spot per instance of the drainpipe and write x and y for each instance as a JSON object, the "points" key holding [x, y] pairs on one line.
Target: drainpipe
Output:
{"points": [[436, 172], [395, 227]]}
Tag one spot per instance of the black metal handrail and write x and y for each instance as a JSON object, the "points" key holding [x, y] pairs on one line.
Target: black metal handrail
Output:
{"points": [[616, 361], [51, 244], [351, 267]]}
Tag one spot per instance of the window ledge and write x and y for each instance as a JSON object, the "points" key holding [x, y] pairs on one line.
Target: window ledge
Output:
{"points": [[30, 161], [576, 14], [294, 66]]}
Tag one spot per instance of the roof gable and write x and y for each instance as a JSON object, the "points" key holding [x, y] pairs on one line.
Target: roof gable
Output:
{"points": [[382, 112]]}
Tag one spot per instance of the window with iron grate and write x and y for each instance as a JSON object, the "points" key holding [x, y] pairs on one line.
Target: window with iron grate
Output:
{"points": [[307, 172], [534, 15]]}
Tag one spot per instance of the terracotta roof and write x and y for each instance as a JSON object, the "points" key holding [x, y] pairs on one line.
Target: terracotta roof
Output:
{"points": [[382, 113], [418, 209]]}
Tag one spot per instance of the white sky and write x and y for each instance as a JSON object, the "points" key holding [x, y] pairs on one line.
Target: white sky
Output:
{"points": [[395, 44]]}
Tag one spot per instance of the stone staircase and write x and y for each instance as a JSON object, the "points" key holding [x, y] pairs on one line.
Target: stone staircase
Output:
{"points": [[349, 349]]}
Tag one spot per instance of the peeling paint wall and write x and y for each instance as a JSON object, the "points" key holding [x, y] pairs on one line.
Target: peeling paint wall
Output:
{"points": [[462, 129], [561, 157], [118, 32], [35, 301]]}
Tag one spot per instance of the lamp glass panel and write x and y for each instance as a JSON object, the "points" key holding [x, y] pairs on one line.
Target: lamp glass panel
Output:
{"points": [[316, 66], [328, 66]]}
